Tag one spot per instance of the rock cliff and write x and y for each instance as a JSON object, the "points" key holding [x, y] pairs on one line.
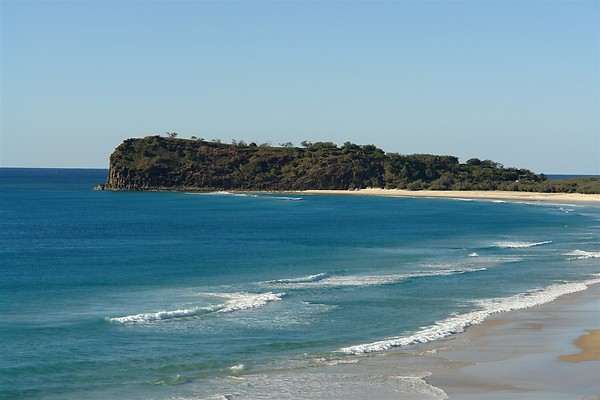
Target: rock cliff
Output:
{"points": [[159, 163]]}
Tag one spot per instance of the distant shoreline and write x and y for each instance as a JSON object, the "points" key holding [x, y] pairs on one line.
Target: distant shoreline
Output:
{"points": [[498, 195], [465, 194]]}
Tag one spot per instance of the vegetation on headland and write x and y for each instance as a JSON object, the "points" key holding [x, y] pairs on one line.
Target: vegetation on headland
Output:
{"points": [[170, 163]]}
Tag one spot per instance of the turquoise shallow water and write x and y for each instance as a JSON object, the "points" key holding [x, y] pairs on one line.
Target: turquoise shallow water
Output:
{"points": [[180, 295]]}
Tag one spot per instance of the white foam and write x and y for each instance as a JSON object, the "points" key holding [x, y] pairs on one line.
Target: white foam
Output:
{"points": [[457, 323], [520, 245], [285, 198], [220, 193], [473, 255], [583, 255], [566, 210], [237, 368], [303, 279], [160, 315], [336, 362], [245, 301], [235, 302], [535, 297], [334, 281], [358, 280], [217, 193], [225, 193]]}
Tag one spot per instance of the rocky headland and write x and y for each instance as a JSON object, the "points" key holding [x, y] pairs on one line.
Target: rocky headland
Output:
{"points": [[169, 163]]}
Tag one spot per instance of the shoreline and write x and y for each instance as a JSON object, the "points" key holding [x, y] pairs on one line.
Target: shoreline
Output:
{"points": [[446, 194], [464, 194], [511, 355], [545, 352]]}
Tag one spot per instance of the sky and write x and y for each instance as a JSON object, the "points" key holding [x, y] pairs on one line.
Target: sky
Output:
{"points": [[516, 82]]}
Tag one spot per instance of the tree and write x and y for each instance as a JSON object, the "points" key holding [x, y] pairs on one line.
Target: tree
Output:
{"points": [[491, 164], [351, 146], [172, 135], [474, 161], [370, 148], [287, 144]]}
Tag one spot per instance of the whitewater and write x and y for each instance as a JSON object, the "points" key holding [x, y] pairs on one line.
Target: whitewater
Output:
{"points": [[110, 295]]}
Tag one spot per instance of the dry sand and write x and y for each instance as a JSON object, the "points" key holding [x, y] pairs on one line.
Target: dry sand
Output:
{"points": [[470, 194], [547, 352], [589, 348]]}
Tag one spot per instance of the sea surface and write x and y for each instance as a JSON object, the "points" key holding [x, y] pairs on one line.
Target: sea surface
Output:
{"points": [[171, 295]]}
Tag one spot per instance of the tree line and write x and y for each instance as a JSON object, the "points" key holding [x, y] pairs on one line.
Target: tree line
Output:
{"points": [[156, 162]]}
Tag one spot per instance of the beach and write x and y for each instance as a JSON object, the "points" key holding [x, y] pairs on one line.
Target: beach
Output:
{"points": [[467, 194], [546, 352]]}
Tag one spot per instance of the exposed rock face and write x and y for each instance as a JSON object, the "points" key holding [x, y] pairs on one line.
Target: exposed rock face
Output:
{"points": [[157, 163], [121, 178]]}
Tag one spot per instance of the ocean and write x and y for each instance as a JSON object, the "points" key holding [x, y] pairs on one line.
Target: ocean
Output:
{"points": [[172, 295]]}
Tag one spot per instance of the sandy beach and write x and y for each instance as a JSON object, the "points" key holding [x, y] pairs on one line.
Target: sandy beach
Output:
{"points": [[474, 194], [547, 352]]}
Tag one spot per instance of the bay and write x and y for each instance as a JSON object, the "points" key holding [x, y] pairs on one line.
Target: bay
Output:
{"points": [[187, 295]]}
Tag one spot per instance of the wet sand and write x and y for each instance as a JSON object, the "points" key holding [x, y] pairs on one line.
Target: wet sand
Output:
{"points": [[547, 352], [470, 194], [513, 355]]}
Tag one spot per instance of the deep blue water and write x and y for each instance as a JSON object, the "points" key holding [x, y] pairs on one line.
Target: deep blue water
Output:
{"points": [[169, 295]]}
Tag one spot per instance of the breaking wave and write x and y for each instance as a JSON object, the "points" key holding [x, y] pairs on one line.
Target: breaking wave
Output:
{"points": [[583, 255], [246, 301], [458, 323], [332, 281], [303, 279], [235, 302], [160, 315], [520, 245]]}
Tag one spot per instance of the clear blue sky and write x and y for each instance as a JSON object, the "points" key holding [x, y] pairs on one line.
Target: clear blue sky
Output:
{"points": [[512, 81]]}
